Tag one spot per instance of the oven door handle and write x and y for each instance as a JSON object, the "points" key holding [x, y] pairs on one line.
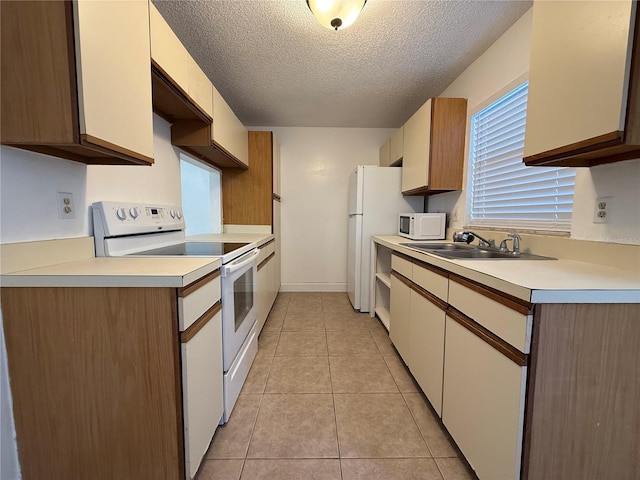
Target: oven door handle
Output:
{"points": [[240, 263]]}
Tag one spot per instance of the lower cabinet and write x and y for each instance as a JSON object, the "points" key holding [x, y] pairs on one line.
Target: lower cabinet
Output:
{"points": [[426, 346], [400, 311], [483, 403], [114, 382], [202, 401], [268, 286]]}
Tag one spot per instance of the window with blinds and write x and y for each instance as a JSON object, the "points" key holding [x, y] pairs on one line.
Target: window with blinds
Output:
{"points": [[504, 192]]}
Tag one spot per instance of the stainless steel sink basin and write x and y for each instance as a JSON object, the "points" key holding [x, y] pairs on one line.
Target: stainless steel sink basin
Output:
{"points": [[464, 252]]}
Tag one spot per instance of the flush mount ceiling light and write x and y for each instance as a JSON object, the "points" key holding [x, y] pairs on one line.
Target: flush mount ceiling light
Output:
{"points": [[336, 14]]}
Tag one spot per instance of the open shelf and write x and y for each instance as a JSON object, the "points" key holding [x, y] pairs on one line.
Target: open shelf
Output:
{"points": [[384, 278], [384, 316]]}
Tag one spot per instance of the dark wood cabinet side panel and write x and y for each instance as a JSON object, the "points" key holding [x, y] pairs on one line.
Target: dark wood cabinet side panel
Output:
{"points": [[95, 385], [448, 129], [247, 195], [38, 86], [585, 418]]}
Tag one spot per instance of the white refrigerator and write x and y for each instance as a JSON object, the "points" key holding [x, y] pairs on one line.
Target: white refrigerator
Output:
{"points": [[375, 200]]}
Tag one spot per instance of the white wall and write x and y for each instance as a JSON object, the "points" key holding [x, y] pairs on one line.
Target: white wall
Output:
{"points": [[28, 195], [502, 64], [315, 168], [159, 183]]}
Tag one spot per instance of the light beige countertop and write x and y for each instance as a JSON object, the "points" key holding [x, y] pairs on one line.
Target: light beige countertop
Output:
{"points": [[115, 272], [259, 238], [537, 281]]}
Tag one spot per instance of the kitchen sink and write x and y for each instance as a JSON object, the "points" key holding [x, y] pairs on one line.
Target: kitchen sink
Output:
{"points": [[464, 252]]}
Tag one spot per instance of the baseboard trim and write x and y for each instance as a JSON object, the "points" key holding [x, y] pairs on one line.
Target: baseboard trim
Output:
{"points": [[313, 287]]}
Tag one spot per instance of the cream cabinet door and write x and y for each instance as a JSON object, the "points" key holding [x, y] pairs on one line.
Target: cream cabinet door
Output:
{"points": [[579, 72], [167, 50], [223, 122], [264, 288], [241, 150], [416, 143], [426, 347], [276, 165], [114, 74], [200, 87], [400, 311], [483, 403], [276, 231], [202, 391], [396, 146], [385, 159]]}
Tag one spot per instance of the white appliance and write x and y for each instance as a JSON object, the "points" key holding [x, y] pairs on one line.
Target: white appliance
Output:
{"points": [[375, 200], [144, 230], [422, 226]]}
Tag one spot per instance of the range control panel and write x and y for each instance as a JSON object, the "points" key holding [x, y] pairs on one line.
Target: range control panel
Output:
{"points": [[117, 218]]}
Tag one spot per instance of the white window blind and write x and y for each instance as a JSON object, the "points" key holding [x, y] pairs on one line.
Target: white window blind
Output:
{"points": [[504, 192]]}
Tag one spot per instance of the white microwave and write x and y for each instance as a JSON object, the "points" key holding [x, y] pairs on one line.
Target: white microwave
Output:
{"points": [[422, 226]]}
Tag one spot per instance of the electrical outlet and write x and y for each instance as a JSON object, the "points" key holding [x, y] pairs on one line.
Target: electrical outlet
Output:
{"points": [[602, 211], [454, 215], [66, 207]]}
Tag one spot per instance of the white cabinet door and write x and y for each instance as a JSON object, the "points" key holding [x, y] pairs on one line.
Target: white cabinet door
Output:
{"points": [[400, 310], [426, 347], [415, 161], [202, 391], [483, 403], [264, 288], [114, 74]]}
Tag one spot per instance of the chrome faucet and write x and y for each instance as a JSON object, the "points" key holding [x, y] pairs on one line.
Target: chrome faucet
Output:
{"points": [[516, 243], [468, 237]]}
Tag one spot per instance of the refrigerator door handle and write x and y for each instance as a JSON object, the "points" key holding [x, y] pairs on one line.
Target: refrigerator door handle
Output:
{"points": [[354, 214]]}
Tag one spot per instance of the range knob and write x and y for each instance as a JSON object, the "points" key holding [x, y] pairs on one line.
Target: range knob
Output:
{"points": [[179, 214], [172, 213], [133, 211], [121, 213]]}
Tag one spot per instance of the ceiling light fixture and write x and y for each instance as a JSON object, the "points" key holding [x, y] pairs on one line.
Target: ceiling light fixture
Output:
{"points": [[336, 14]]}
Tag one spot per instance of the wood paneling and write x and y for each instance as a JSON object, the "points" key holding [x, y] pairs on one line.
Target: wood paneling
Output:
{"points": [[95, 378], [247, 195], [448, 128], [38, 73], [585, 421]]}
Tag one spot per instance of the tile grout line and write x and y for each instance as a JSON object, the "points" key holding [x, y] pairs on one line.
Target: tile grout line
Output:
{"points": [[333, 400]]}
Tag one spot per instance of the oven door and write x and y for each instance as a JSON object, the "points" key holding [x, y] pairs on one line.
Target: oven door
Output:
{"points": [[239, 305]]}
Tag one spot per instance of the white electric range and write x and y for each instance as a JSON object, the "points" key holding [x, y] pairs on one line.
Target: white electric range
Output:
{"points": [[150, 230]]}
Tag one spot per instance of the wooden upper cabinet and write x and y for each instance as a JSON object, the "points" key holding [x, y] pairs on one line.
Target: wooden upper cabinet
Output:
{"points": [[247, 194], [72, 88], [396, 147], [584, 84], [433, 147]]}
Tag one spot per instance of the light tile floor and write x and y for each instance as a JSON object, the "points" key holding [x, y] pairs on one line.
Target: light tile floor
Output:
{"points": [[328, 398]]}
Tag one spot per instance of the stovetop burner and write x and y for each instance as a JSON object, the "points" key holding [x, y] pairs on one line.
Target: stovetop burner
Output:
{"points": [[196, 249]]}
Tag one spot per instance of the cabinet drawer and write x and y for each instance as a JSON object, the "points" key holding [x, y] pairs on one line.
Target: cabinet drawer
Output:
{"points": [[266, 249], [510, 323], [402, 266], [197, 298], [432, 281]]}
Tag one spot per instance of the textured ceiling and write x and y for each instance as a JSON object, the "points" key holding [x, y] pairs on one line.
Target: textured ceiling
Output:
{"points": [[276, 66]]}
